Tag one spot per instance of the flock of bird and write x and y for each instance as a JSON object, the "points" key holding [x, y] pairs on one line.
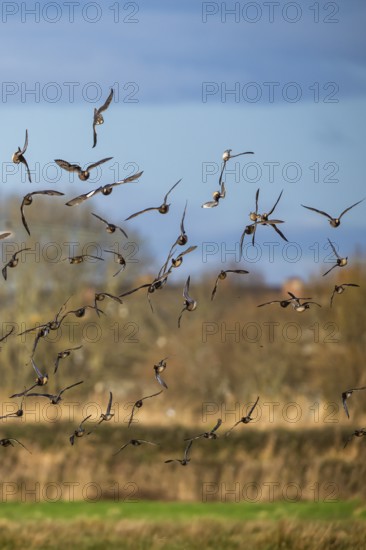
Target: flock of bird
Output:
{"points": [[173, 261]]}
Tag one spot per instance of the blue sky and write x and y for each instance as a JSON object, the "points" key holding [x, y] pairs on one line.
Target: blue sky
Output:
{"points": [[186, 92]]}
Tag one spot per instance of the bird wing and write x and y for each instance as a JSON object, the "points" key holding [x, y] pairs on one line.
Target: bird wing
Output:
{"points": [[275, 204], [24, 221], [217, 426], [25, 143], [95, 164], [334, 250], [67, 166], [213, 293], [254, 406], [109, 406], [69, 387], [153, 395], [84, 197], [107, 103], [210, 204], [170, 190], [318, 211], [349, 208], [142, 212], [278, 231]]}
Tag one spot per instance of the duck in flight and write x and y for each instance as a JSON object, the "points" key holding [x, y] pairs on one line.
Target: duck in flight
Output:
{"points": [[82, 174], [98, 117], [18, 156], [334, 222], [105, 190], [28, 199], [339, 289], [162, 209], [341, 262]]}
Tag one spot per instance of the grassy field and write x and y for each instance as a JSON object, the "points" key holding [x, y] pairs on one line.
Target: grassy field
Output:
{"points": [[181, 526]]}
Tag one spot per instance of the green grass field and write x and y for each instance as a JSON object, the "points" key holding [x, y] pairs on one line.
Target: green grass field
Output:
{"points": [[178, 526]]}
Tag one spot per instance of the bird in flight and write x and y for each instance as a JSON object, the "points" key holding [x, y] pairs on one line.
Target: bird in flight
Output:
{"points": [[207, 435], [334, 222], [189, 303], [105, 190], [9, 442], [134, 443], [98, 117], [185, 459], [222, 275], [82, 174], [80, 431], [18, 156], [158, 369], [107, 416], [139, 403], [339, 289], [110, 227], [62, 355], [347, 394], [341, 262], [54, 398], [13, 262], [245, 419], [163, 208], [28, 199]]}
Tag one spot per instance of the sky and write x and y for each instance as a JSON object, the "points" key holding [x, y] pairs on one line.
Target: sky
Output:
{"points": [[285, 80]]}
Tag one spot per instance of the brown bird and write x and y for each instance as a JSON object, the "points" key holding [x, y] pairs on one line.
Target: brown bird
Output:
{"points": [[207, 435], [80, 259], [54, 398], [119, 259], [156, 284], [13, 262], [107, 416], [176, 262], [105, 190], [134, 443], [222, 275], [185, 459], [62, 355], [98, 117], [41, 380], [18, 156], [357, 433], [163, 208], [100, 296], [158, 369], [227, 154], [111, 228], [80, 312], [82, 174], [216, 195], [140, 403], [8, 442], [28, 199], [284, 303], [339, 289], [334, 222], [16, 414], [245, 419], [189, 303], [183, 238], [347, 394], [80, 431], [341, 262]]}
